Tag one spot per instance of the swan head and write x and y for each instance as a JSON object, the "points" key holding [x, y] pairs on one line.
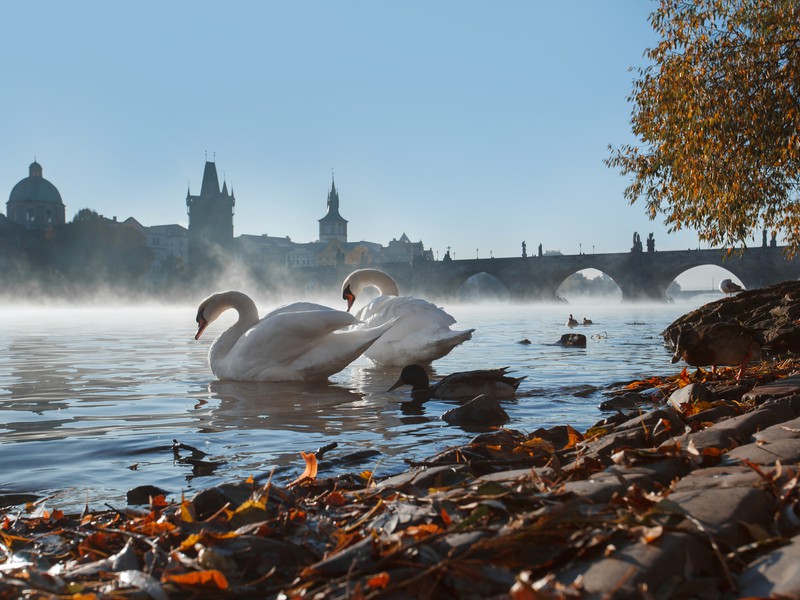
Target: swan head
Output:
{"points": [[206, 313], [212, 307], [362, 279], [348, 295]]}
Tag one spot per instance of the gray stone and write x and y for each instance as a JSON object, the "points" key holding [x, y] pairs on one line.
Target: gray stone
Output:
{"points": [[776, 575], [694, 392], [786, 430], [519, 475], [714, 414], [660, 567], [729, 433], [602, 486], [724, 511], [788, 386], [572, 340], [722, 477], [482, 409], [424, 478], [766, 453]]}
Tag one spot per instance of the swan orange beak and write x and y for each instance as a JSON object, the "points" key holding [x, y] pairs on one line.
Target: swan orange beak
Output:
{"points": [[349, 296], [201, 326]]}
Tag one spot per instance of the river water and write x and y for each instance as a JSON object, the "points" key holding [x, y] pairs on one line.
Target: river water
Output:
{"points": [[91, 399]]}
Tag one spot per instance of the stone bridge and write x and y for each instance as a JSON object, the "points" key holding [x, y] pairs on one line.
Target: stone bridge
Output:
{"points": [[641, 275]]}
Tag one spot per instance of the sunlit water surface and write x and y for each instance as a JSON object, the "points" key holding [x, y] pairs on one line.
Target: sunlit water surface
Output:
{"points": [[92, 399]]}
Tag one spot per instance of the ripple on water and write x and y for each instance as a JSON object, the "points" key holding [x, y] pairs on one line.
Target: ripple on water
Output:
{"points": [[85, 398]]}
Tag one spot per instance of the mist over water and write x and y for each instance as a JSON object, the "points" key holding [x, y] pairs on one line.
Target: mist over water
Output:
{"points": [[91, 398]]}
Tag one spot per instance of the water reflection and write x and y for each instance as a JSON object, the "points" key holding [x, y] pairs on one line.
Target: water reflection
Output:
{"points": [[292, 406], [83, 396]]}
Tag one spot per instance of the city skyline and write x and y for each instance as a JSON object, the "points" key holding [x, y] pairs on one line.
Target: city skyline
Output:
{"points": [[461, 124]]}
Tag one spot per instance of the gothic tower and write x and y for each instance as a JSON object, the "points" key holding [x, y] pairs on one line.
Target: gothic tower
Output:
{"points": [[210, 222], [332, 226]]}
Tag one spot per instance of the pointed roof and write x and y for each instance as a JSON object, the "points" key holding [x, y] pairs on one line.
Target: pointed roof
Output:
{"points": [[333, 205], [210, 185]]}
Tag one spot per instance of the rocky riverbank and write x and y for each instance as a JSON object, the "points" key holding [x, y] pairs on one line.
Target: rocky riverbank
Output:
{"points": [[693, 494]]}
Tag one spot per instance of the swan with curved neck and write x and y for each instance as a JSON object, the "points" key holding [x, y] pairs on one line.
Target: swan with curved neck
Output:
{"points": [[296, 342], [421, 332]]}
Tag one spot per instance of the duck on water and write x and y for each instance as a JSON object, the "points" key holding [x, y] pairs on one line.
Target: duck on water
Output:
{"points": [[461, 385]]}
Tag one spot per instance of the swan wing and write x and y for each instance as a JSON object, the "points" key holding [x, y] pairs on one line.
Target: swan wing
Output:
{"points": [[381, 309], [289, 336], [298, 345], [421, 332]]}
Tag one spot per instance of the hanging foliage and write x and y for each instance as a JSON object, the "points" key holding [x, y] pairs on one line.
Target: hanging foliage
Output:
{"points": [[717, 115]]}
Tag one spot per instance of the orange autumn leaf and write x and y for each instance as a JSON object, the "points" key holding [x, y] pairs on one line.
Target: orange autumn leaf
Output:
{"points": [[713, 451], [446, 517], [335, 498], [379, 581], [573, 437], [186, 511], [423, 530], [651, 534], [538, 443], [250, 480], [211, 579], [310, 471], [159, 501]]}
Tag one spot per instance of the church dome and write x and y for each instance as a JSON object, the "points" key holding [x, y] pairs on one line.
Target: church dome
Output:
{"points": [[35, 188]]}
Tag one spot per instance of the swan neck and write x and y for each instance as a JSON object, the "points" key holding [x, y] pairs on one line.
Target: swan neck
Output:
{"points": [[248, 316], [385, 283]]}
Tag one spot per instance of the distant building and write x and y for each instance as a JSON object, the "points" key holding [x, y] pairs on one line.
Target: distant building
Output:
{"points": [[403, 250], [169, 245], [332, 226], [210, 222], [34, 202]]}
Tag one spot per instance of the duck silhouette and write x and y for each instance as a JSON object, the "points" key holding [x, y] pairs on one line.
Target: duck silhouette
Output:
{"points": [[723, 343], [463, 384]]}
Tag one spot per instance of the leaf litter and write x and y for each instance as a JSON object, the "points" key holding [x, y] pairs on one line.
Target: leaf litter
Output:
{"points": [[494, 517]]}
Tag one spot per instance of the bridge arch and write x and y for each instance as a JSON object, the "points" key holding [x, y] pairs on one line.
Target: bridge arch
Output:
{"points": [[589, 284], [483, 287], [640, 275]]}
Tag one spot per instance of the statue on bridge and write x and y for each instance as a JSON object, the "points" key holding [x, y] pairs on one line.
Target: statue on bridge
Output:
{"points": [[524, 250], [637, 242], [540, 248], [651, 243]]}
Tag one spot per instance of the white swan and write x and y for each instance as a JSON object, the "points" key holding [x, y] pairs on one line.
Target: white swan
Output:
{"points": [[422, 331], [296, 342]]}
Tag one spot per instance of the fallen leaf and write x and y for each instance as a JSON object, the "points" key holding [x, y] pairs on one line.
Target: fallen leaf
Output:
{"points": [[310, 471], [212, 579], [379, 581]]}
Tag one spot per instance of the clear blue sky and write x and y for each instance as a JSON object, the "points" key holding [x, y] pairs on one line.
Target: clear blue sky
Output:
{"points": [[468, 124]]}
